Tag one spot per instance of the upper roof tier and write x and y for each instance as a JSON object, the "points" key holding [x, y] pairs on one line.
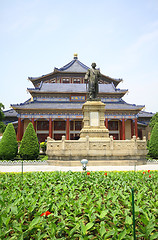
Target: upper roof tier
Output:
{"points": [[73, 68], [75, 88]]}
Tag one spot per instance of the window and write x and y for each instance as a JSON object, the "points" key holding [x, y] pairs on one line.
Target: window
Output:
{"points": [[113, 125], [52, 80], [42, 125], [59, 125], [76, 80], [66, 80], [78, 125]]}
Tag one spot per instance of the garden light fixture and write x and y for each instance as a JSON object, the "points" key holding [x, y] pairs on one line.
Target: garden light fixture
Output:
{"points": [[84, 163]]}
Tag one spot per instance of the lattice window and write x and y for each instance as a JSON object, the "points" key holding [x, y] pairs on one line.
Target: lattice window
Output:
{"points": [[42, 125], [59, 125], [113, 125], [78, 125]]}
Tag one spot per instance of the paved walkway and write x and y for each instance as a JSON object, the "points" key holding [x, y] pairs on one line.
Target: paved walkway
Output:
{"points": [[49, 168]]}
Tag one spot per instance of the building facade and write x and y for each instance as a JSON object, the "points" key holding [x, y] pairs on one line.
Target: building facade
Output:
{"points": [[55, 106]]}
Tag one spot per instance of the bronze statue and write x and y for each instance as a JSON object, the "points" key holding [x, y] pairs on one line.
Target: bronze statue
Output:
{"points": [[92, 76]]}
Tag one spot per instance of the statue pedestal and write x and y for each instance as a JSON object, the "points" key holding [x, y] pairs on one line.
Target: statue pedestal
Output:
{"points": [[94, 120]]}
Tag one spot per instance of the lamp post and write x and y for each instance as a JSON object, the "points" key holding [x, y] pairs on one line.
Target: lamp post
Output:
{"points": [[84, 163]]}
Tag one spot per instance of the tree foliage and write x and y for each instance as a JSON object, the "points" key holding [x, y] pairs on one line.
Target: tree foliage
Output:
{"points": [[8, 144], [1, 112], [153, 120], [2, 125], [153, 143], [29, 148]]}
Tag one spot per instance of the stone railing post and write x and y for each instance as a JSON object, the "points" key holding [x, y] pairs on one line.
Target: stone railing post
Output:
{"points": [[63, 142], [111, 142]]}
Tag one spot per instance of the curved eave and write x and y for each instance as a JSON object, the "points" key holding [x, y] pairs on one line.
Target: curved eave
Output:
{"points": [[119, 94], [33, 79], [108, 107], [116, 81]]}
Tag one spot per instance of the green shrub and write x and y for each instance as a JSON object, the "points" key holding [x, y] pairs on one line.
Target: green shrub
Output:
{"points": [[8, 144], [153, 144], [153, 121], [29, 148], [43, 146], [2, 127]]}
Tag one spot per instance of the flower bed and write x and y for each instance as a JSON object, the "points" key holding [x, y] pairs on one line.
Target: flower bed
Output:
{"points": [[77, 205]]}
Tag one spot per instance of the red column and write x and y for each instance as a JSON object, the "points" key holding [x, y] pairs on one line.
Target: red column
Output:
{"points": [[34, 123], [120, 130], [123, 129], [106, 123], [67, 128], [136, 128], [50, 127], [19, 130], [22, 129], [132, 128]]}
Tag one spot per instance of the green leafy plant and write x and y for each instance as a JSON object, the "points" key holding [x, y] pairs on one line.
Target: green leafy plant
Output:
{"points": [[8, 144], [153, 143], [29, 148], [43, 146], [74, 205]]}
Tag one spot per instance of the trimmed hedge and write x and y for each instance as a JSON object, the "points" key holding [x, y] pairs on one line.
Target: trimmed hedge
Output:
{"points": [[8, 144], [153, 143], [29, 148]]}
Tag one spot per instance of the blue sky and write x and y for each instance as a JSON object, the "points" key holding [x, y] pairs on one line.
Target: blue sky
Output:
{"points": [[121, 36]]}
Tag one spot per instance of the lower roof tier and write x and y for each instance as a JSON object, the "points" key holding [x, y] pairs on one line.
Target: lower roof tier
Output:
{"points": [[36, 105]]}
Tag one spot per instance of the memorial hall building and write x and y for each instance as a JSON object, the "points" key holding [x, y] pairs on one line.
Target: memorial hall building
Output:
{"points": [[55, 106]]}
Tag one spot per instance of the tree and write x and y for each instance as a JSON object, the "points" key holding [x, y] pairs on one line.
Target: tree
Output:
{"points": [[153, 120], [8, 144], [2, 125], [153, 143], [29, 148], [1, 112]]}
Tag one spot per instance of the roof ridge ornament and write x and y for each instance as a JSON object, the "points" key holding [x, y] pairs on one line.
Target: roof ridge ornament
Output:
{"points": [[75, 56]]}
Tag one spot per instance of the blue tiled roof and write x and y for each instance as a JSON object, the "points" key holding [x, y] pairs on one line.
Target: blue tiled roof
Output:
{"points": [[74, 66], [75, 88], [145, 114], [10, 113], [75, 105]]}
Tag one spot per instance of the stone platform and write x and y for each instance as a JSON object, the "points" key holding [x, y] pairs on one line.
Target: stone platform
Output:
{"points": [[102, 152], [95, 145]]}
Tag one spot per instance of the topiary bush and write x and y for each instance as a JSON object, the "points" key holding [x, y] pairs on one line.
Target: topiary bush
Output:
{"points": [[153, 143], [8, 144], [29, 148]]}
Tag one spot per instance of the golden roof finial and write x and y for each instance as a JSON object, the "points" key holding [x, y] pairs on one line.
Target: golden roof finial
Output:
{"points": [[75, 55]]}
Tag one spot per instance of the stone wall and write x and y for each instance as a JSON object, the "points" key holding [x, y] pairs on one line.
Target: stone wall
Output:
{"points": [[96, 149]]}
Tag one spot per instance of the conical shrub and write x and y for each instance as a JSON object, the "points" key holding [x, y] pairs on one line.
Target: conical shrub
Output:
{"points": [[153, 143], [8, 144], [29, 148]]}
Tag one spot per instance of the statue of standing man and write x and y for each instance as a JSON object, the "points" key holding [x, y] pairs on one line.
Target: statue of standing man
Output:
{"points": [[92, 76]]}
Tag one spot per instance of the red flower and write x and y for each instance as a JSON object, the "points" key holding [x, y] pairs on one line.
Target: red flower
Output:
{"points": [[45, 213], [143, 172], [148, 171], [149, 176], [105, 173], [88, 173]]}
